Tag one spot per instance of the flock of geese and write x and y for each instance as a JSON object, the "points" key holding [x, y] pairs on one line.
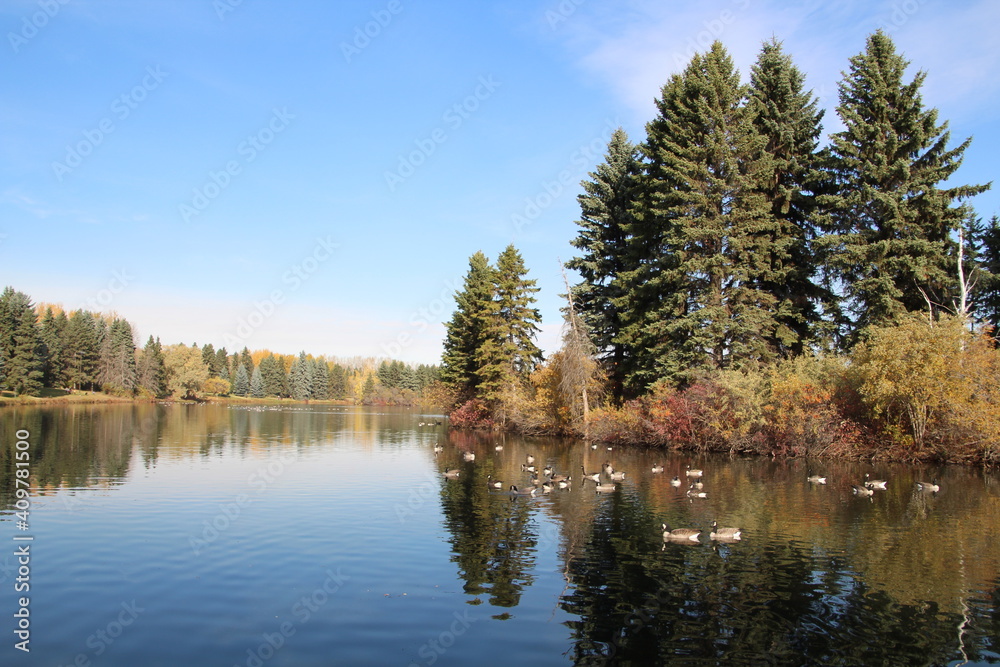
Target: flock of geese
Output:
{"points": [[547, 480], [604, 482]]}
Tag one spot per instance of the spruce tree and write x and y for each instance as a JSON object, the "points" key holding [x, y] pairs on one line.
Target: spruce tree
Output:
{"points": [[222, 363], [82, 350], [211, 361], [892, 216], [789, 120], [319, 379], [704, 231], [257, 383], [241, 383], [467, 330], [20, 343], [300, 378], [53, 333], [151, 374], [987, 294], [337, 387], [116, 368], [606, 216], [247, 361], [508, 355]]}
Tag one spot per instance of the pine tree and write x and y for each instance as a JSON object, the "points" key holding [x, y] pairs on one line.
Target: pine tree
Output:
{"points": [[891, 217], [467, 331], [606, 208], [987, 294], [116, 368], [273, 375], [257, 383], [211, 360], [151, 374], [509, 354], [222, 363], [247, 361], [788, 119], [241, 383]]}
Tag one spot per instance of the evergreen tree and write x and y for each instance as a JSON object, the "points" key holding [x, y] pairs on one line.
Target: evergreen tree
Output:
{"points": [[116, 368], [987, 294], [257, 383], [82, 350], [151, 374], [222, 363], [892, 218], [606, 207], [319, 379], [53, 333], [368, 388], [211, 360], [788, 119], [300, 378], [704, 231], [467, 331], [247, 361], [273, 375], [241, 383], [21, 344], [337, 387], [509, 354]]}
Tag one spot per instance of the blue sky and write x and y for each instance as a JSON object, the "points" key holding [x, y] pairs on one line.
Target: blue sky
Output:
{"points": [[314, 175]]}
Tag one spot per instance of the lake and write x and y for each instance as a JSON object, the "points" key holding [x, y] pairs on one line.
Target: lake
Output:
{"points": [[329, 535]]}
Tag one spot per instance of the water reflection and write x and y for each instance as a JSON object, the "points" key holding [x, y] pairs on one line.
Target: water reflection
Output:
{"points": [[820, 576]]}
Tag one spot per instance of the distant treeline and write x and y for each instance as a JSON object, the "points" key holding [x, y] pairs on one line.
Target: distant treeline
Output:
{"points": [[48, 348]]}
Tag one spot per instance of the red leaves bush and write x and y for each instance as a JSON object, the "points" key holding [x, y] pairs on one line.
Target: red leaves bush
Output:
{"points": [[472, 414]]}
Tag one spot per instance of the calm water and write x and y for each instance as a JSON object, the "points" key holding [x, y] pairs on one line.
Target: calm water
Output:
{"points": [[319, 535]]}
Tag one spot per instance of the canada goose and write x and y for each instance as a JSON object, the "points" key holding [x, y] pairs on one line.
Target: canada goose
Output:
{"points": [[874, 483], [498, 448], [694, 493], [594, 446], [816, 479], [617, 476], [697, 485], [559, 478], [657, 468], [527, 468], [493, 483], [564, 483], [676, 481], [596, 476], [438, 449], [547, 471], [530, 459], [469, 456], [861, 490], [930, 487], [606, 488], [522, 492], [680, 533], [452, 474], [694, 472], [547, 487], [608, 468], [724, 533]]}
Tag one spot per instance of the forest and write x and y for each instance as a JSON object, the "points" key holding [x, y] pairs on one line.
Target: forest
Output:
{"points": [[44, 347], [745, 287]]}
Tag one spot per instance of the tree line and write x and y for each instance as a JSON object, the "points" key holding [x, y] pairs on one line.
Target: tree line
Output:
{"points": [[83, 350], [734, 269]]}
